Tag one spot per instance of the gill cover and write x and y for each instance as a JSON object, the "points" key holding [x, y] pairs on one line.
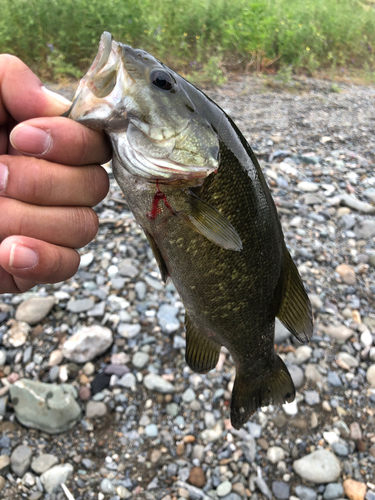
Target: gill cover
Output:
{"points": [[155, 129]]}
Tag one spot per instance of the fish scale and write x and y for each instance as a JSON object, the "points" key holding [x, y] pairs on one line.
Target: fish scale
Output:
{"points": [[207, 213]]}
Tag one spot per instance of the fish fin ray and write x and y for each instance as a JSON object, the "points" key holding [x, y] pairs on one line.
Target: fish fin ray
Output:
{"points": [[202, 353], [158, 257], [295, 311], [210, 223], [249, 394]]}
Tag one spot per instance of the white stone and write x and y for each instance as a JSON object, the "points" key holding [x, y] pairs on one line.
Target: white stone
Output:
{"points": [[54, 477], [370, 375], [275, 454], [87, 343], [35, 309], [319, 467]]}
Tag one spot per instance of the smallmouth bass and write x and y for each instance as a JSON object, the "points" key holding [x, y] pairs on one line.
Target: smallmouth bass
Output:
{"points": [[197, 190]]}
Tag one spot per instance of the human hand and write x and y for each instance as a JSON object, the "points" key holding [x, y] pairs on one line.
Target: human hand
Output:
{"points": [[49, 178]]}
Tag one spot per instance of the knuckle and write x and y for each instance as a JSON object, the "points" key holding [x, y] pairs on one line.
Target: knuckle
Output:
{"points": [[86, 221]]}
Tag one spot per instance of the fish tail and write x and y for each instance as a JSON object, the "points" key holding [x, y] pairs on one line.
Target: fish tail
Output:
{"points": [[249, 394]]}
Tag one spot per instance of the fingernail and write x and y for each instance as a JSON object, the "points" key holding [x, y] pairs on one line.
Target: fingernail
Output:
{"points": [[22, 257], [61, 99], [30, 140], [4, 173]]}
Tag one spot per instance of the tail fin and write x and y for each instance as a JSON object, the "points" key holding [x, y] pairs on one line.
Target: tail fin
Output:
{"points": [[248, 395]]}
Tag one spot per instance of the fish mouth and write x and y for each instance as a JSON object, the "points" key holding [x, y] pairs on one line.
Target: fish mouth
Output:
{"points": [[102, 87]]}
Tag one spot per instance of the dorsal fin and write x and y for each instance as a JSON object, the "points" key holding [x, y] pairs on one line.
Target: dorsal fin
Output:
{"points": [[202, 353], [295, 309]]}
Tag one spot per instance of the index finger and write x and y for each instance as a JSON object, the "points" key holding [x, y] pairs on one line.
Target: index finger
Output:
{"points": [[22, 94]]}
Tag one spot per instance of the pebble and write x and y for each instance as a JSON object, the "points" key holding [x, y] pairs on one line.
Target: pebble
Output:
{"points": [[4, 464], [55, 476], [43, 462], [55, 358], [320, 467], [312, 398], [352, 202], [224, 488], [354, 490], [167, 318], [156, 383], [275, 454], [80, 305], [340, 333], [128, 330], [20, 460], [281, 490], [140, 359], [47, 407], [347, 274], [307, 187], [332, 491], [128, 381], [365, 229], [35, 309], [17, 334], [370, 375], [96, 409], [305, 493], [87, 343], [188, 396], [3, 357], [151, 430]]}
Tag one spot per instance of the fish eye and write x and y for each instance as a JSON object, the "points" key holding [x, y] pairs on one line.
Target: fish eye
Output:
{"points": [[162, 79]]}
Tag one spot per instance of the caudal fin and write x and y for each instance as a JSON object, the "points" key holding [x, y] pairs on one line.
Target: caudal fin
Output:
{"points": [[250, 394]]}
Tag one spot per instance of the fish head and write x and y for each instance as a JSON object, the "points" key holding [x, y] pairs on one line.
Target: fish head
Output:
{"points": [[157, 130]]}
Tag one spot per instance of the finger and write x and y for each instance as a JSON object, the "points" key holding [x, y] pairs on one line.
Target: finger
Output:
{"points": [[26, 262], [41, 182], [23, 95], [61, 139], [69, 226]]}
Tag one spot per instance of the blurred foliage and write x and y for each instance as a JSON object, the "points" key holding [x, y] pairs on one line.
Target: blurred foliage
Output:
{"points": [[60, 38]]}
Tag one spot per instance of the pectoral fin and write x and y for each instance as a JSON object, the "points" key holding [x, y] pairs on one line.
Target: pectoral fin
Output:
{"points": [[158, 257], [202, 353], [210, 223], [295, 309]]}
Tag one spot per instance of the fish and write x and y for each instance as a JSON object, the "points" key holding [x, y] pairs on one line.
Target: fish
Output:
{"points": [[196, 188]]}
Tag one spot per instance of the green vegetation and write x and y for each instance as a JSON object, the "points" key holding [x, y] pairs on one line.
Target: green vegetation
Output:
{"points": [[60, 37]]}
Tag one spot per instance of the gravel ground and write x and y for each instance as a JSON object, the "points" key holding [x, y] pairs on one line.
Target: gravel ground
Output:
{"points": [[94, 368]]}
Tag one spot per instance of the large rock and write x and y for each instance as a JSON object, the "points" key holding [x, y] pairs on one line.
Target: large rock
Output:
{"points": [[87, 343], [48, 407], [320, 467], [43, 462], [54, 477], [34, 310]]}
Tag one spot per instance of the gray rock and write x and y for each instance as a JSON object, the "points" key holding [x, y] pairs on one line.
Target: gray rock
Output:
{"points": [[87, 343], [20, 460], [98, 310], [320, 467], [312, 398], [333, 379], [3, 357], [365, 229], [126, 268], [305, 493], [156, 383], [308, 187], [352, 202], [44, 462], [140, 289], [140, 359], [80, 305], [347, 359], [3, 405], [188, 396], [34, 310], [281, 490], [96, 409], [107, 487], [128, 380], [312, 373], [303, 354], [262, 485], [167, 318], [4, 465], [179, 342], [128, 330], [172, 409], [224, 488], [316, 301], [249, 448], [370, 375], [297, 375], [347, 221], [232, 496], [86, 260], [275, 454], [340, 333], [254, 429], [17, 334], [47, 407], [370, 194], [281, 333], [332, 491], [151, 430], [54, 477]]}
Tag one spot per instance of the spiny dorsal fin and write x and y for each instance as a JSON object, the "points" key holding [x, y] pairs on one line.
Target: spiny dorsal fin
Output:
{"points": [[210, 223], [249, 394], [202, 353], [295, 309], [158, 256]]}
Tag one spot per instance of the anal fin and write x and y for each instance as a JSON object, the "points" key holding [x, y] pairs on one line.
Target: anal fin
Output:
{"points": [[249, 394], [202, 353], [158, 257], [295, 309]]}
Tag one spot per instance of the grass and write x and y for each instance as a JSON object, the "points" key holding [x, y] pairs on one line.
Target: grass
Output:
{"points": [[59, 38]]}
